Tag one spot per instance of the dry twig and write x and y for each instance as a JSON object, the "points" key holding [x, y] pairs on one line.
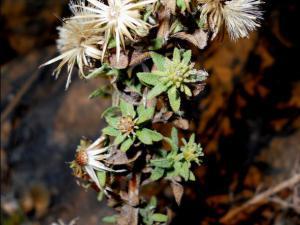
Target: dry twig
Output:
{"points": [[260, 199]]}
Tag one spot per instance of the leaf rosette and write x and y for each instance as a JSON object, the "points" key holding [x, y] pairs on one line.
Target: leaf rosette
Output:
{"points": [[130, 126], [172, 76]]}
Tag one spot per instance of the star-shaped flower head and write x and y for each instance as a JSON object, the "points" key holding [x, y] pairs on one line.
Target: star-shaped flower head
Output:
{"points": [[130, 125], [173, 76], [91, 158], [77, 43], [238, 16], [120, 19]]}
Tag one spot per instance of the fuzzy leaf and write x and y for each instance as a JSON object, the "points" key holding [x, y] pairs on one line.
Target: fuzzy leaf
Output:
{"points": [[144, 137], [181, 5], [127, 109], [126, 144], [187, 57], [158, 60], [111, 111], [162, 163], [119, 139], [187, 91], [110, 131], [174, 99], [145, 115], [112, 121], [157, 173], [148, 78], [176, 56], [102, 71], [156, 43], [101, 177], [154, 135], [109, 219], [157, 217], [157, 90], [185, 171], [100, 92], [192, 176], [174, 136]]}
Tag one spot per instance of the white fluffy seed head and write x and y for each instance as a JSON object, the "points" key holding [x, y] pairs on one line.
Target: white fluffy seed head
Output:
{"points": [[239, 17]]}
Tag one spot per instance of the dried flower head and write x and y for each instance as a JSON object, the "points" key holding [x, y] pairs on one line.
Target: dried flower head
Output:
{"points": [[120, 19], [238, 16], [91, 158], [77, 43]]}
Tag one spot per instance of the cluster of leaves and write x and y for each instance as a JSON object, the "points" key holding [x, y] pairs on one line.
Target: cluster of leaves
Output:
{"points": [[172, 76], [178, 161], [129, 127]]}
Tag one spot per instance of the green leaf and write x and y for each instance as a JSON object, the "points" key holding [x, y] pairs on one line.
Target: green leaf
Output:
{"points": [[144, 137], [154, 135], [126, 144], [156, 43], [187, 91], [113, 121], [192, 176], [100, 92], [153, 203], [110, 131], [157, 173], [162, 163], [158, 60], [187, 57], [127, 109], [148, 78], [192, 139], [157, 90], [102, 71], [177, 167], [101, 175], [174, 136], [145, 114], [176, 56], [174, 99], [185, 171], [109, 219], [111, 111], [181, 5], [158, 217], [119, 139], [176, 27]]}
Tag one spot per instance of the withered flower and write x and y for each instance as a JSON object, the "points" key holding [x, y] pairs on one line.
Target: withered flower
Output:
{"points": [[77, 43], [239, 17], [118, 19], [91, 158]]}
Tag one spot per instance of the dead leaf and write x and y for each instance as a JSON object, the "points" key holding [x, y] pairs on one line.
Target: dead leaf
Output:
{"points": [[199, 38], [170, 5], [164, 28], [162, 116], [181, 123], [123, 61], [178, 191], [121, 158]]}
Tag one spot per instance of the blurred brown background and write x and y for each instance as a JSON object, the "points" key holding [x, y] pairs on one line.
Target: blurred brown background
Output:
{"points": [[247, 120]]}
